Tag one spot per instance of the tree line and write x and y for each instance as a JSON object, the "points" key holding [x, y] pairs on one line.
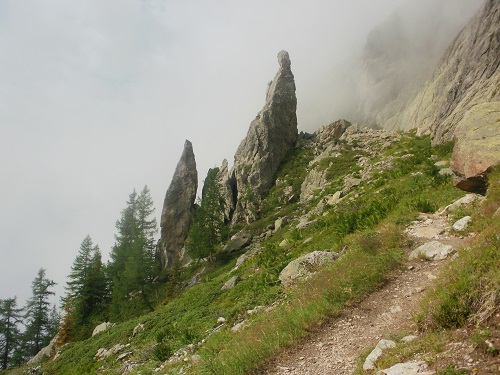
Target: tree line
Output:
{"points": [[116, 291]]}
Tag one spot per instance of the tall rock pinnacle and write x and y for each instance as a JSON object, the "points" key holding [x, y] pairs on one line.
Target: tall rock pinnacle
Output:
{"points": [[270, 136], [178, 209]]}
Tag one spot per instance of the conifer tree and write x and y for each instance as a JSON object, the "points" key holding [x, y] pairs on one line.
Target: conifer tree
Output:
{"points": [[10, 337], [87, 289], [208, 229], [38, 322], [133, 266]]}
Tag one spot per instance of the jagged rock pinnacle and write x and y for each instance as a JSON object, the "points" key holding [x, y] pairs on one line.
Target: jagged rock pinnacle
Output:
{"points": [[178, 209]]}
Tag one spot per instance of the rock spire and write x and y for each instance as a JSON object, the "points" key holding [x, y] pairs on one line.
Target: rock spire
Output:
{"points": [[178, 209], [270, 136]]}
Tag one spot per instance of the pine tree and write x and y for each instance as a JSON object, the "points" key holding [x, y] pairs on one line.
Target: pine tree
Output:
{"points": [[208, 229], [10, 337], [133, 266], [38, 323], [87, 289]]}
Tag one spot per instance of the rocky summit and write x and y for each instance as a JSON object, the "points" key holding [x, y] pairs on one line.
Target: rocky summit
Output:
{"points": [[178, 209], [270, 136]]}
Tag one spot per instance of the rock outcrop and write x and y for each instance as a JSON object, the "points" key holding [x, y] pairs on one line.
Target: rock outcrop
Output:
{"points": [[466, 76], [178, 209], [477, 147], [401, 53], [270, 136], [304, 266]]}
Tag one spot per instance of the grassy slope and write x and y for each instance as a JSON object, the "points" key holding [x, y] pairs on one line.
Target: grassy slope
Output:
{"points": [[365, 228], [465, 297]]}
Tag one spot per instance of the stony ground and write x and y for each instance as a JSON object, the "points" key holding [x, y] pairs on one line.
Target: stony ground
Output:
{"points": [[335, 346]]}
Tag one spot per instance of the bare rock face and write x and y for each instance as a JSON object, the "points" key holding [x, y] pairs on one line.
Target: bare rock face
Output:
{"points": [[270, 136], [477, 147], [178, 209], [401, 53], [466, 76]]}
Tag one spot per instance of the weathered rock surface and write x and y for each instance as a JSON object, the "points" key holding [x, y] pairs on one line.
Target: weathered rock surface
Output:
{"points": [[376, 353], [231, 283], [477, 146], [462, 224], [102, 327], [433, 250], [270, 136], [466, 76], [408, 368], [178, 209], [401, 53], [46, 352], [226, 190], [464, 201], [237, 242], [304, 266]]}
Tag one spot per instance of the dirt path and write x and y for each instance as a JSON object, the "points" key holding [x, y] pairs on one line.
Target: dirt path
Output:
{"points": [[334, 347]]}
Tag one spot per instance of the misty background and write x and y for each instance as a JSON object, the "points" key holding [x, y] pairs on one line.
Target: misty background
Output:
{"points": [[97, 98]]}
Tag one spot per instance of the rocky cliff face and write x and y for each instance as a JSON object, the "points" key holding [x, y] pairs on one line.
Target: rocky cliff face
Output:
{"points": [[178, 209], [401, 53], [270, 136], [461, 101], [466, 76]]}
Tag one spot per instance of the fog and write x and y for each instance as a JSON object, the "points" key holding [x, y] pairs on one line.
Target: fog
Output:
{"points": [[97, 98]]}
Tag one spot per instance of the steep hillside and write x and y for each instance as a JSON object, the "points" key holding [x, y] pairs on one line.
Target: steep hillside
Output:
{"points": [[341, 197]]}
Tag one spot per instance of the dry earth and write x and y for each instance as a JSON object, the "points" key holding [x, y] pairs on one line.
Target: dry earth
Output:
{"points": [[335, 346]]}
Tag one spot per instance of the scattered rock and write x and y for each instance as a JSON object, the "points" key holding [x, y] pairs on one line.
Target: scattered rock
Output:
{"points": [[138, 328], [446, 172], [102, 327], [408, 368], [333, 199], [178, 209], [376, 353], [237, 243], [461, 225], [231, 283], [238, 326], [433, 250], [304, 266], [409, 338], [46, 352], [279, 223], [221, 320], [105, 353], [464, 201], [284, 243]]}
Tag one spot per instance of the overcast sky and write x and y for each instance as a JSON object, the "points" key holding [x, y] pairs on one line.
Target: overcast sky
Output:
{"points": [[98, 96]]}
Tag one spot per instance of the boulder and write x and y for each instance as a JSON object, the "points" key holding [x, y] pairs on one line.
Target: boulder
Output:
{"points": [[408, 368], [270, 136], [178, 209], [433, 250], [477, 147], [376, 353], [231, 283], [304, 266], [464, 201], [315, 180], [237, 243], [461, 225], [279, 223], [102, 327], [46, 352]]}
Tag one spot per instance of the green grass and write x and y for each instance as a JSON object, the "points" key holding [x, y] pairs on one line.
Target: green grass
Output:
{"points": [[366, 230], [466, 294]]}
